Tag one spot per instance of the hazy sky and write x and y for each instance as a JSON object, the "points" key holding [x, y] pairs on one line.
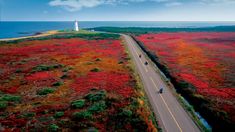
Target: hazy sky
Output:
{"points": [[118, 10]]}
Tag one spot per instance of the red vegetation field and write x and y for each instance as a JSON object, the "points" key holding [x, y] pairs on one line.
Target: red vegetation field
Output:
{"points": [[203, 59], [70, 84]]}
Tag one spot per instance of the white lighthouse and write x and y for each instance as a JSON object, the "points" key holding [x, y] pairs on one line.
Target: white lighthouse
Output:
{"points": [[76, 26]]}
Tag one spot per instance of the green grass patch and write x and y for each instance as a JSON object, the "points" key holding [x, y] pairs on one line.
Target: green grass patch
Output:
{"points": [[126, 113], [82, 115], [18, 71], [95, 70], [45, 91], [57, 84], [67, 35], [64, 76], [78, 103], [46, 67], [66, 69], [90, 36], [81, 31], [53, 128], [145, 30], [59, 114], [29, 115], [97, 59], [100, 95], [8, 97], [120, 62], [45, 119], [83, 35], [89, 63], [97, 107], [3, 104]]}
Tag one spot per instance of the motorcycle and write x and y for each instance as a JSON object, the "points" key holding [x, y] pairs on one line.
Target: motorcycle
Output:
{"points": [[161, 90]]}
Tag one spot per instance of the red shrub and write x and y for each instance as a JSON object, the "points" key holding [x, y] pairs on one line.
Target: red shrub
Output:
{"points": [[204, 59], [39, 76], [11, 90], [113, 82]]}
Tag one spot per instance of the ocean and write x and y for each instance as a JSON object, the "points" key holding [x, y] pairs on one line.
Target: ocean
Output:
{"points": [[20, 29]]}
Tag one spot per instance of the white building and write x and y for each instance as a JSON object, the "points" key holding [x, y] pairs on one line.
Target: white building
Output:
{"points": [[76, 26]]}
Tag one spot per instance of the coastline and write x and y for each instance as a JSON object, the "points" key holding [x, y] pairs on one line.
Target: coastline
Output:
{"points": [[47, 33]]}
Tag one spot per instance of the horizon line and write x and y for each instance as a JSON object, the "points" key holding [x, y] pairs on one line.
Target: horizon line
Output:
{"points": [[108, 21]]}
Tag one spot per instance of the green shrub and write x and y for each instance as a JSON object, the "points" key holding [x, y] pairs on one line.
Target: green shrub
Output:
{"points": [[88, 36], [66, 69], [45, 91], [97, 107], [4, 115], [125, 113], [59, 114], [29, 115], [82, 115], [41, 68], [120, 62], [3, 104], [127, 58], [97, 59], [64, 76], [92, 129], [137, 122], [57, 66], [198, 96], [183, 84], [78, 103], [46, 67], [199, 99], [57, 84], [100, 95], [53, 128], [221, 113], [89, 63], [45, 119], [95, 70], [18, 71], [8, 97], [134, 103]]}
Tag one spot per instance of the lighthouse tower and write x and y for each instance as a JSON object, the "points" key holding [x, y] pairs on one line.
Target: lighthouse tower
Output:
{"points": [[76, 26]]}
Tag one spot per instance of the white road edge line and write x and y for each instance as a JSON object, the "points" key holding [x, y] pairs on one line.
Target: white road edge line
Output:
{"points": [[139, 58], [163, 123], [166, 106]]}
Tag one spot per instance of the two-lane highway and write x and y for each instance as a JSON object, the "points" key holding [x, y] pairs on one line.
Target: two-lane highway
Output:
{"points": [[171, 115]]}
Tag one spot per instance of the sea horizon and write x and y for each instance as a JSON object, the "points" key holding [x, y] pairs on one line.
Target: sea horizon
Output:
{"points": [[12, 29]]}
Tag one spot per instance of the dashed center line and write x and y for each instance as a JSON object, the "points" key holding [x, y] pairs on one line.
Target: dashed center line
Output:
{"points": [[156, 83], [166, 105]]}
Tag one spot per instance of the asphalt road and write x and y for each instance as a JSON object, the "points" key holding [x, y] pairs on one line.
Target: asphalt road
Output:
{"points": [[170, 114]]}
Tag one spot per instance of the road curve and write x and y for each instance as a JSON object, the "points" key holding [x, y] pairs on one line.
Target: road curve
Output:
{"points": [[170, 114]]}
